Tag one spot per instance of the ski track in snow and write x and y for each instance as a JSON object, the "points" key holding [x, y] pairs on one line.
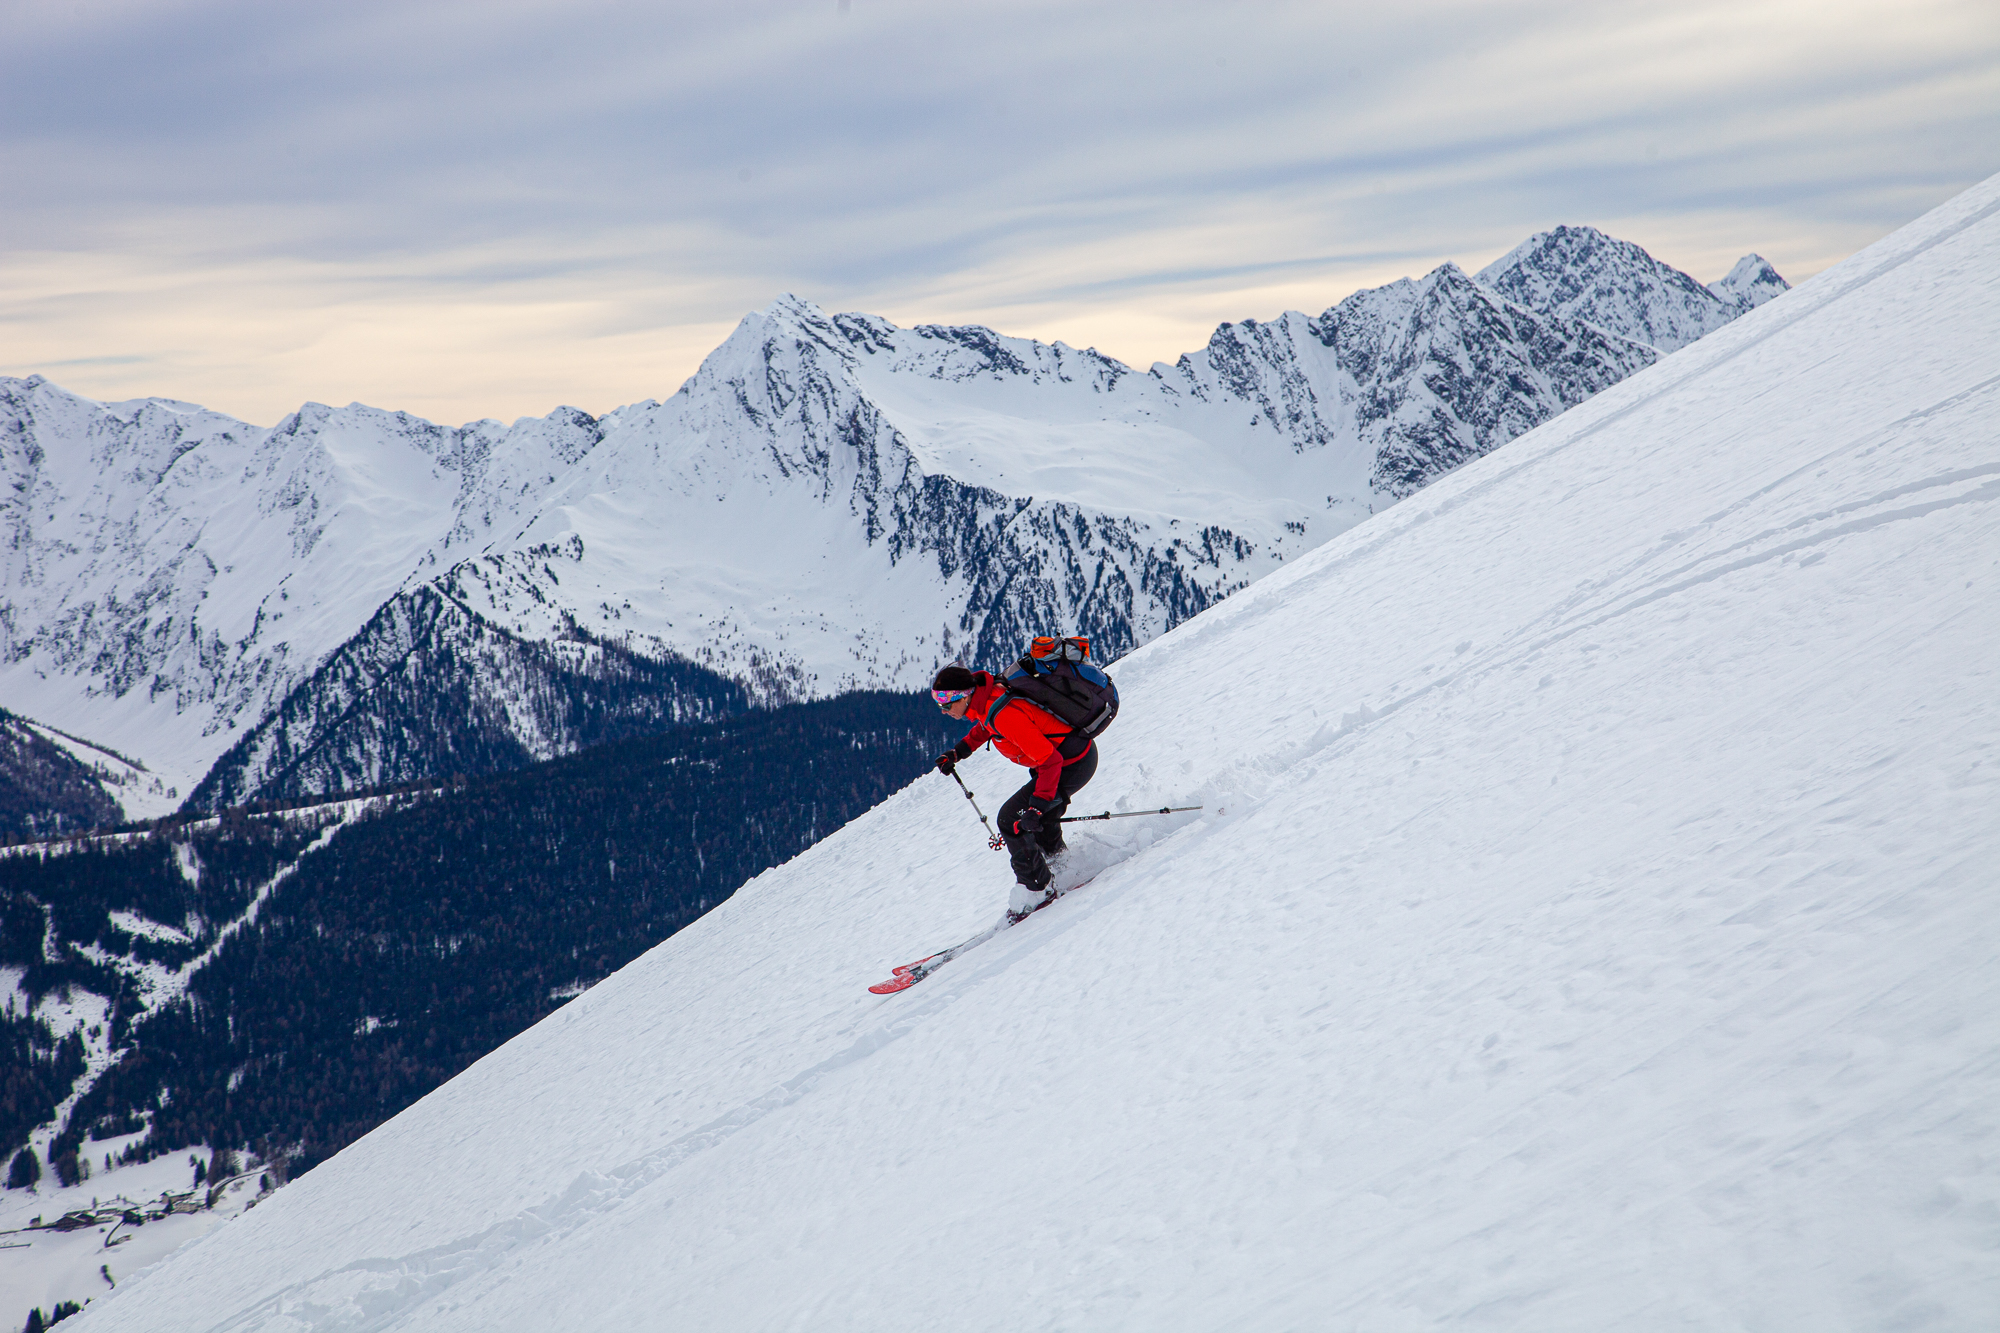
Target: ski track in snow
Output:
{"points": [[1589, 926], [373, 1293]]}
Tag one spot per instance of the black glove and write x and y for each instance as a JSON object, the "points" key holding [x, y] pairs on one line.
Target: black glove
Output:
{"points": [[953, 757], [1029, 822]]}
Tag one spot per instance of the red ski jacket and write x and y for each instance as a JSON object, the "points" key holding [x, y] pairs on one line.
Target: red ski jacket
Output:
{"points": [[1030, 736]]}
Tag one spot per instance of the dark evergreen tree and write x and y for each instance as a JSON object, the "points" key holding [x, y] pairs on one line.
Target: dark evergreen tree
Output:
{"points": [[25, 1170], [36, 1072]]}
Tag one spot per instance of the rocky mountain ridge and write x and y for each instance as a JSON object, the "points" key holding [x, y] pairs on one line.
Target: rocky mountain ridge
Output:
{"points": [[829, 503]]}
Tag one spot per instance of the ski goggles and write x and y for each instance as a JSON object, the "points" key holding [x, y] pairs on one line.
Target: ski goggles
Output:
{"points": [[946, 698]]}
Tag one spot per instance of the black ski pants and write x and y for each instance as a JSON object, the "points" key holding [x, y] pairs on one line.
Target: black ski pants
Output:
{"points": [[1030, 855]]}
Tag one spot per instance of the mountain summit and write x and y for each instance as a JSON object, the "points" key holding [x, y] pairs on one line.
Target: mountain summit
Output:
{"points": [[1586, 927], [1580, 273]]}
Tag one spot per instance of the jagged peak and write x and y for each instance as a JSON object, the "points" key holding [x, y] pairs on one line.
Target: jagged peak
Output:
{"points": [[1402, 298], [1582, 250], [1750, 283], [1580, 272], [792, 305], [1563, 239]]}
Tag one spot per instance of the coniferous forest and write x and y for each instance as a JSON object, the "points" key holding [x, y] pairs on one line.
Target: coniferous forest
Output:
{"points": [[423, 935], [42, 789]]}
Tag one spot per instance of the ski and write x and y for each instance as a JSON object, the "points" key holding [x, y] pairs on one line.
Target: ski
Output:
{"points": [[909, 974]]}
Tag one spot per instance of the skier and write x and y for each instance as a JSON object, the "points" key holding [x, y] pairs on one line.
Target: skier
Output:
{"points": [[1063, 758]]}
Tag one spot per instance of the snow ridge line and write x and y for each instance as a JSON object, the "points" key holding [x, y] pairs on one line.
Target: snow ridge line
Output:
{"points": [[1984, 494], [1363, 716], [1366, 714]]}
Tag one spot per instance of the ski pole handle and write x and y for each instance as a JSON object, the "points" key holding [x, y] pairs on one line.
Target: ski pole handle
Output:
{"points": [[1129, 814]]}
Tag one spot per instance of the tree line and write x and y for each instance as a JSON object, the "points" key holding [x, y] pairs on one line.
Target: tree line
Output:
{"points": [[424, 936]]}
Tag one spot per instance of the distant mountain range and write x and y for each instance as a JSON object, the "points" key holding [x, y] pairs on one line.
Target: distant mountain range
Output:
{"points": [[357, 597]]}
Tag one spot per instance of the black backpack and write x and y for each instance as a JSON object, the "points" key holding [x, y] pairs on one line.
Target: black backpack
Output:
{"points": [[1056, 676]]}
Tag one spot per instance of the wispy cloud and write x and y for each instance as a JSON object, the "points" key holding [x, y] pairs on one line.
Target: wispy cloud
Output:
{"points": [[490, 208]]}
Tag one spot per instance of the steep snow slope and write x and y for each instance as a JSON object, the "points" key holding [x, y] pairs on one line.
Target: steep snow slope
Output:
{"points": [[1589, 927]]}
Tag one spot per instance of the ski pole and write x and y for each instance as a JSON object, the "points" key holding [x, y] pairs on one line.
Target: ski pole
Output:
{"points": [[992, 838], [1129, 814]]}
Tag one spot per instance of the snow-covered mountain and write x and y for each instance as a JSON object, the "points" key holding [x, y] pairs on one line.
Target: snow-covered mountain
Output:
{"points": [[830, 503], [1580, 273], [1749, 283], [1588, 926], [171, 573]]}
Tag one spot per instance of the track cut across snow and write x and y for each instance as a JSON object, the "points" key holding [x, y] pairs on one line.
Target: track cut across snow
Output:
{"points": [[1589, 926]]}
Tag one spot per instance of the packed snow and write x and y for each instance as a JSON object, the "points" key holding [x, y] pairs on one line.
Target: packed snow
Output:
{"points": [[1588, 926]]}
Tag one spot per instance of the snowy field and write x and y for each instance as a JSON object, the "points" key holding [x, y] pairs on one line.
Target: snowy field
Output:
{"points": [[40, 1267], [1590, 926]]}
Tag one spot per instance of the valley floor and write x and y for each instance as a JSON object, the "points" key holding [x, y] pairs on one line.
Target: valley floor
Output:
{"points": [[40, 1267]]}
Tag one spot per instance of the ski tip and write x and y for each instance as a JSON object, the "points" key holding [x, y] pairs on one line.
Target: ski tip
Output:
{"points": [[902, 981]]}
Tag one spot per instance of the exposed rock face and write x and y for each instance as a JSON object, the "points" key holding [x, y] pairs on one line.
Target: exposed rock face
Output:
{"points": [[1580, 273], [1445, 372]]}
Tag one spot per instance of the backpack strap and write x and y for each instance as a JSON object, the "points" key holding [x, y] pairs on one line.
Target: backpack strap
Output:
{"points": [[1074, 741]]}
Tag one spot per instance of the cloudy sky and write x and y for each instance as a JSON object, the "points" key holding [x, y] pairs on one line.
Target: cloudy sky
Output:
{"points": [[492, 208]]}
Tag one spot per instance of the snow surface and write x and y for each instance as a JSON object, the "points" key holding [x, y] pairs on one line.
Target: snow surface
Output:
{"points": [[1589, 927]]}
